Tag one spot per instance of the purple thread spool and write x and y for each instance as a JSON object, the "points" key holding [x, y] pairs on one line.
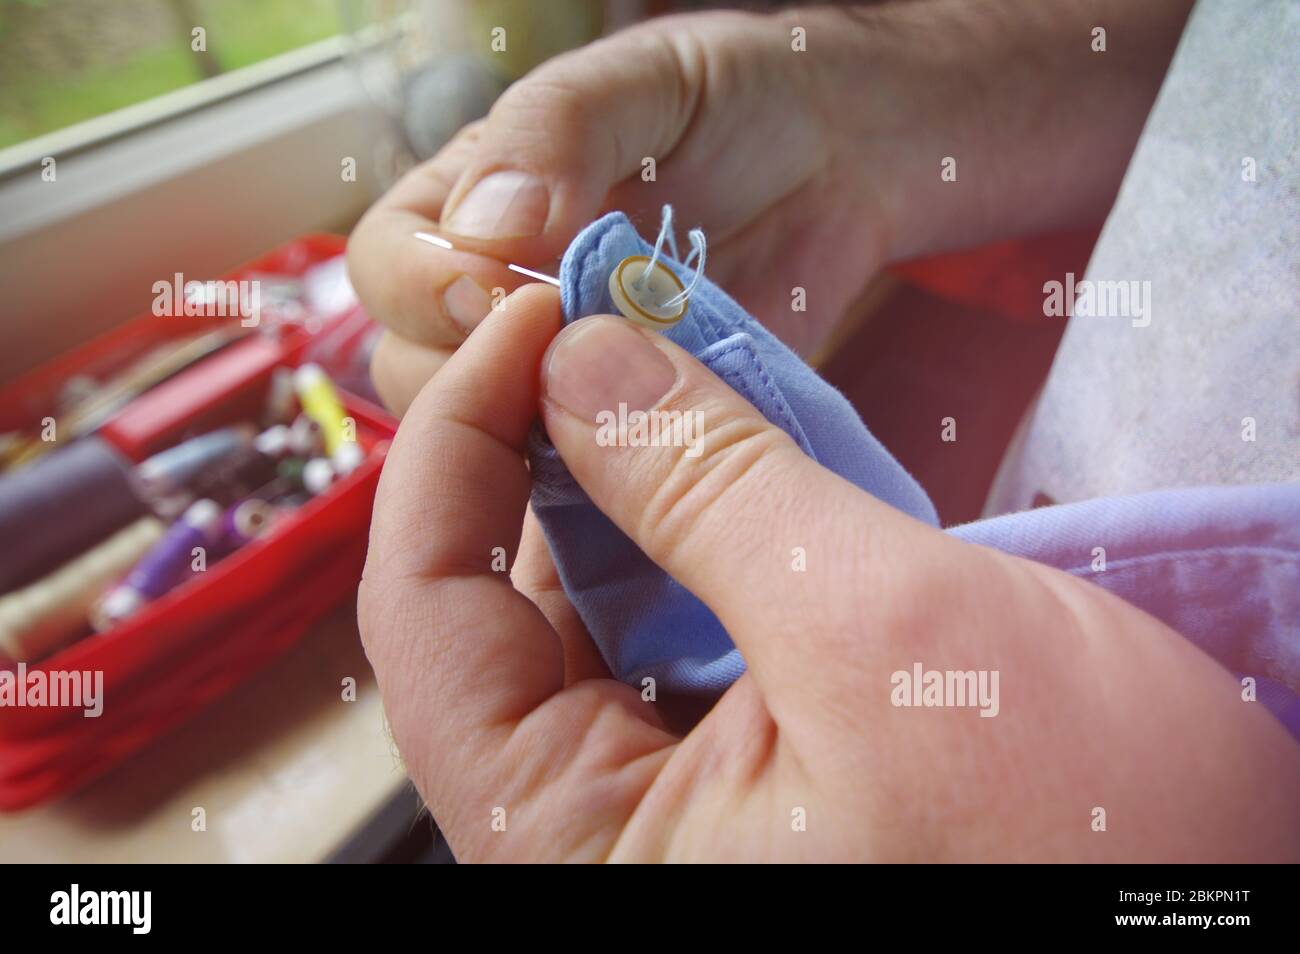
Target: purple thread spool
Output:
{"points": [[61, 506], [245, 522], [163, 567]]}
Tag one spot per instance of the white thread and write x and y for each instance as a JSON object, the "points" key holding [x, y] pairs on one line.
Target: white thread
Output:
{"points": [[665, 229], [698, 248]]}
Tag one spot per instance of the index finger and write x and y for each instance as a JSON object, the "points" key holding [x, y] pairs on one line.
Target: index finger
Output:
{"points": [[440, 618]]}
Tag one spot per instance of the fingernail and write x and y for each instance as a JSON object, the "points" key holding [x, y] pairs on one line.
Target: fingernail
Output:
{"points": [[466, 303], [598, 364], [504, 204]]}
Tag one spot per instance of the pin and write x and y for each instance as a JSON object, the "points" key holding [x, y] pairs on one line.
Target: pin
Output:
{"points": [[441, 242], [644, 289]]}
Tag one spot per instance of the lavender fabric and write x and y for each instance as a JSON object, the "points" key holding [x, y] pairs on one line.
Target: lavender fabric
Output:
{"points": [[1219, 565]]}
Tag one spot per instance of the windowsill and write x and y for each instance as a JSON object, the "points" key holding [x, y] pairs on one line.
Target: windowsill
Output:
{"points": [[27, 156], [198, 191]]}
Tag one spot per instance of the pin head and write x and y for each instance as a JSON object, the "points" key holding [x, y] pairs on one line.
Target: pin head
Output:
{"points": [[654, 298]]}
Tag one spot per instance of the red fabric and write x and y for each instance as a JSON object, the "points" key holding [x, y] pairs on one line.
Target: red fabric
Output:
{"points": [[1004, 278]]}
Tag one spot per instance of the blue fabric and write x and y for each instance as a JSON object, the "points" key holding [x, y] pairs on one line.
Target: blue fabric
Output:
{"points": [[645, 623], [1219, 565]]}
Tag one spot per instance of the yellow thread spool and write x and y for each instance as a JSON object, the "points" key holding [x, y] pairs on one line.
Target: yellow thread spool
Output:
{"points": [[321, 403]]}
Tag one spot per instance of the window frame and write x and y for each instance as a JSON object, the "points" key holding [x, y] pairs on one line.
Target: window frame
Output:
{"points": [[195, 181]]}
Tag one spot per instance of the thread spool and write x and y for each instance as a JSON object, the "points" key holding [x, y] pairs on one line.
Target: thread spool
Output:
{"points": [[275, 491], [235, 476], [162, 568], [245, 522], [321, 403], [290, 471], [168, 471], [43, 617], [317, 475], [100, 402], [309, 476], [274, 441], [305, 437], [281, 399], [347, 458], [60, 506]]}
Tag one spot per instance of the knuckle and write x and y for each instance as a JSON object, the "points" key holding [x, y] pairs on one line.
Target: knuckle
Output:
{"points": [[736, 459], [549, 107]]}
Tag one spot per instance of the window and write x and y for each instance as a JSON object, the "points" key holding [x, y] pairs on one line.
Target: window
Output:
{"points": [[63, 62]]}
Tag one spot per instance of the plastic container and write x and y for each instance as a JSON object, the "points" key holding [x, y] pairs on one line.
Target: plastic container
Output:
{"points": [[182, 652]]}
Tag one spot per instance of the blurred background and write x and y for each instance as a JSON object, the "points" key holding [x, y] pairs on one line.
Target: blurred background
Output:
{"points": [[66, 61]]}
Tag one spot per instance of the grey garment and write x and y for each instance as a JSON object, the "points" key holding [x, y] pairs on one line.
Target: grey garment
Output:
{"points": [[1169, 397]]}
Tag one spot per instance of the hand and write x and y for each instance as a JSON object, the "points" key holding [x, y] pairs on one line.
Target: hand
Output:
{"points": [[506, 720], [807, 168], [742, 145]]}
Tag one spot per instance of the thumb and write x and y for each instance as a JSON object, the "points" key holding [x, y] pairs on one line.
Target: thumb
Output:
{"points": [[719, 497]]}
